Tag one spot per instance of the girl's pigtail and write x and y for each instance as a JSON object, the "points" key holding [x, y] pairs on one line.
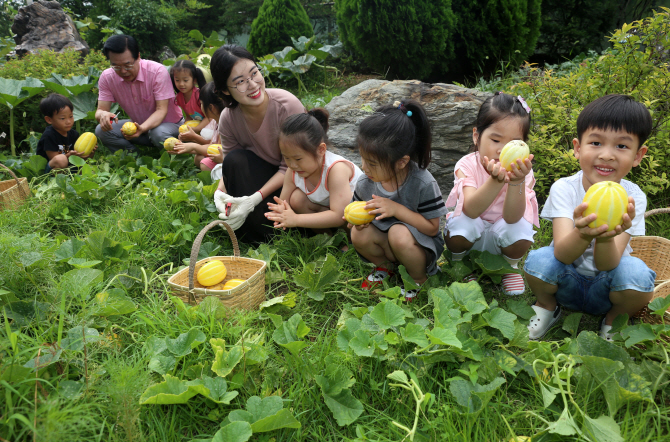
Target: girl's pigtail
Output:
{"points": [[200, 78], [423, 137], [321, 116]]}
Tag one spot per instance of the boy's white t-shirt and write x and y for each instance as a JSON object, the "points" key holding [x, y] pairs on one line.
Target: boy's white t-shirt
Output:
{"points": [[568, 193]]}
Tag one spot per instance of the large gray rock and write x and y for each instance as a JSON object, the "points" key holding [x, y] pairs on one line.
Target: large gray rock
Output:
{"points": [[451, 110], [43, 25]]}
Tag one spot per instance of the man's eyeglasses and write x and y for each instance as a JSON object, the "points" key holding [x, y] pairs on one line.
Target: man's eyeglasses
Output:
{"points": [[125, 67], [242, 85]]}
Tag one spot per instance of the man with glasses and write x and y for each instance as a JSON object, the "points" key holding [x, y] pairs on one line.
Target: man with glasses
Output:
{"points": [[143, 89]]}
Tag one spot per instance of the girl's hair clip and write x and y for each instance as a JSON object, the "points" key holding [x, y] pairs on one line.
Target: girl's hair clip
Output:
{"points": [[401, 106], [523, 103], [498, 93]]}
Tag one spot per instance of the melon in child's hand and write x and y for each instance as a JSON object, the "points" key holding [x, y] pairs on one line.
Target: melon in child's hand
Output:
{"points": [[213, 149], [190, 123], [609, 201], [85, 143], [356, 214], [169, 143], [212, 273], [129, 128], [514, 150]]}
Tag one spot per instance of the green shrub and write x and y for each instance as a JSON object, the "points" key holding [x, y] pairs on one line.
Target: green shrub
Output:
{"points": [[637, 65], [276, 23], [410, 39], [150, 22], [489, 31]]}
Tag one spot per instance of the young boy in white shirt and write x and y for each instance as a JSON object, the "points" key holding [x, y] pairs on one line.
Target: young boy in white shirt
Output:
{"points": [[590, 269]]}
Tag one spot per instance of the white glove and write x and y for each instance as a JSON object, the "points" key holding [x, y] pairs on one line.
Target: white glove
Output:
{"points": [[242, 207], [220, 200]]}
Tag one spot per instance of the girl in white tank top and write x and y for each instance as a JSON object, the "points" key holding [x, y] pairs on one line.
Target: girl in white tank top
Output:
{"points": [[318, 184]]}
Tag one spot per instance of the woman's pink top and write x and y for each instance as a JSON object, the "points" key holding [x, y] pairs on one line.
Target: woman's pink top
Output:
{"points": [[475, 176], [235, 133], [192, 108]]}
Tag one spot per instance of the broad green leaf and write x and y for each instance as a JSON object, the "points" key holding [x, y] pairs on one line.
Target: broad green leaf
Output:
{"points": [[68, 249], [80, 162], [262, 408], [408, 281], [70, 390], [362, 344], [76, 337], [82, 263], [196, 35], [521, 308], [501, 320], [660, 305], [492, 265], [346, 334], [398, 376], [85, 105], [387, 314], [457, 270], [130, 225], [212, 305], [469, 348], [637, 333], [288, 334], [234, 432], [315, 280], [565, 425], [241, 415], [162, 363], [185, 343], [155, 345], [344, 406], [29, 258], [23, 312], [470, 296], [70, 86], [177, 196], [416, 334], [112, 302], [392, 293], [603, 429], [549, 393], [171, 391], [225, 361], [254, 353], [336, 378], [444, 336], [590, 344], [474, 397], [78, 282], [571, 323], [216, 389], [392, 338], [282, 419], [13, 92], [506, 361]]}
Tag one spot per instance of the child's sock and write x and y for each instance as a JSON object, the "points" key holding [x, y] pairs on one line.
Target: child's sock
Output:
{"points": [[458, 256], [513, 262], [513, 283]]}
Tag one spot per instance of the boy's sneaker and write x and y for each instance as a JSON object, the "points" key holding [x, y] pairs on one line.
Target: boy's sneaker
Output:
{"points": [[542, 321], [375, 278], [604, 331], [410, 294], [513, 284]]}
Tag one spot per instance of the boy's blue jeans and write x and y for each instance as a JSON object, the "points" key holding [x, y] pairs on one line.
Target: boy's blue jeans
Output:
{"points": [[588, 294]]}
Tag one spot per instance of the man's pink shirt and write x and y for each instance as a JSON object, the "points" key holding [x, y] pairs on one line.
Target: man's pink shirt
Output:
{"points": [[138, 97]]}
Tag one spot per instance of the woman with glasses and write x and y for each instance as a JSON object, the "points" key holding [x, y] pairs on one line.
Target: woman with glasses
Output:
{"points": [[253, 167], [143, 89]]}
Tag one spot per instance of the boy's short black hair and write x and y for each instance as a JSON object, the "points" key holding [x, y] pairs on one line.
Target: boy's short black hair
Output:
{"points": [[53, 103], [119, 43], [616, 112]]}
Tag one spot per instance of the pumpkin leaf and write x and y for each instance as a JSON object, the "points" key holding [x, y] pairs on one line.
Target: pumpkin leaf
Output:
{"points": [[185, 343], [225, 361], [315, 279], [289, 332]]}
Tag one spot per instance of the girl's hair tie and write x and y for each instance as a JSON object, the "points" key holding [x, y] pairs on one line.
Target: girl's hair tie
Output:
{"points": [[498, 93], [523, 103], [401, 106]]}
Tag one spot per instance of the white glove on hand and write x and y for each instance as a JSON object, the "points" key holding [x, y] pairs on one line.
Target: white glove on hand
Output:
{"points": [[242, 207], [220, 200]]}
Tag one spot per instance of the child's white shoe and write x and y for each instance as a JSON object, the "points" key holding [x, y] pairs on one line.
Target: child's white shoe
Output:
{"points": [[410, 294], [604, 331], [542, 321], [513, 284]]}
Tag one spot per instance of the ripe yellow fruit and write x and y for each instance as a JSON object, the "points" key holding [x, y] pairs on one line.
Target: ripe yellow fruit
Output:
{"points": [[190, 123], [355, 213], [85, 143], [169, 143], [213, 149], [514, 150], [232, 284], [609, 201], [212, 273], [128, 128]]}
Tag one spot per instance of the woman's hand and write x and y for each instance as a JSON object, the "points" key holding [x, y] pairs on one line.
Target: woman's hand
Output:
{"points": [[382, 207], [495, 169], [520, 169], [281, 214]]}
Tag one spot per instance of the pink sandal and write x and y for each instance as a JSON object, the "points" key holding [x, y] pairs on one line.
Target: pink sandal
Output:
{"points": [[375, 278]]}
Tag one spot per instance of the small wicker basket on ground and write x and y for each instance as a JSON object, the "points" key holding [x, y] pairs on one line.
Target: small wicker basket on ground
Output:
{"points": [[246, 296], [655, 252], [13, 192]]}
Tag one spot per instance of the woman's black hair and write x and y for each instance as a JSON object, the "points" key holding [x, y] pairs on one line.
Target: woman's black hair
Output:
{"points": [[394, 131], [498, 107], [222, 64], [188, 65], [119, 43], [307, 131], [209, 97]]}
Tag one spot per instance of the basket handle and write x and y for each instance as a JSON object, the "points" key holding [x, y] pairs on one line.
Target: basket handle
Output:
{"points": [[649, 213], [18, 184], [196, 249]]}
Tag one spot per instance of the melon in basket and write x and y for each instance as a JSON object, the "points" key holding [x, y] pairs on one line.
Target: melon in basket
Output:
{"points": [[212, 273], [231, 284]]}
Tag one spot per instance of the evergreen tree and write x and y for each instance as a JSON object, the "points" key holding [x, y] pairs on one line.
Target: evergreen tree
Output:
{"points": [[494, 31], [409, 39], [277, 22]]}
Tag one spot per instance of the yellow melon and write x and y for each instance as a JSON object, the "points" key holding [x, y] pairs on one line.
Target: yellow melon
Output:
{"points": [[212, 273], [85, 143], [609, 201], [169, 143], [190, 123], [355, 213], [128, 128], [514, 150], [213, 149], [231, 284]]}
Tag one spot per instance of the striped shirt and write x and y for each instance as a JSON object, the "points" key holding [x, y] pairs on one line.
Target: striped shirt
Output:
{"points": [[138, 97]]}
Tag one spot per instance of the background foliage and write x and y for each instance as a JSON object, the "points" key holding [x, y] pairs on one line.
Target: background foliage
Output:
{"points": [[276, 23]]}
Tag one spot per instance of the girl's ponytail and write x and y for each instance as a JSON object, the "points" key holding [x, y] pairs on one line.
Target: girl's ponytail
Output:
{"points": [[423, 137], [321, 116], [306, 131], [200, 78]]}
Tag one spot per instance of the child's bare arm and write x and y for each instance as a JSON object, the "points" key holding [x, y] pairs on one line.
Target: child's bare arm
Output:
{"points": [[385, 208], [514, 205], [477, 200]]}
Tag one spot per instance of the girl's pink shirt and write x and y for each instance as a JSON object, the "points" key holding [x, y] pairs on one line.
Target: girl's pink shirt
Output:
{"points": [[192, 107], [475, 176]]}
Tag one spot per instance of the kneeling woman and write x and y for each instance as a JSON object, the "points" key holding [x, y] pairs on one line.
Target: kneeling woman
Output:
{"points": [[253, 168]]}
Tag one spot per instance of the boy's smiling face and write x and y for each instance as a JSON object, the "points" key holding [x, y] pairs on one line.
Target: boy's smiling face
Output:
{"points": [[607, 155]]}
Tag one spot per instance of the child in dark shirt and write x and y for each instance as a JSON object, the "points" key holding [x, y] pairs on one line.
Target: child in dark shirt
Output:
{"points": [[57, 141]]}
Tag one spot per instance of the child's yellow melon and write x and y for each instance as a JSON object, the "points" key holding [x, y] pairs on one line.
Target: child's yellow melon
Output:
{"points": [[169, 143], [514, 150], [212, 273], [609, 201], [213, 149], [85, 143], [190, 123], [356, 214]]}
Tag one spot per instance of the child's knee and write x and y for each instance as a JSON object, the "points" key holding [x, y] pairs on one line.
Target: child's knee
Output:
{"points": [[543, 265], [59, 162], [463, 226], [632, 274], [400, 238], [298, 201]]}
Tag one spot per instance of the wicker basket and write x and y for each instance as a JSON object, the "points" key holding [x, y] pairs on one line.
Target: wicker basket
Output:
{"points": [[655, 252], [246, 296], [13, 192]]}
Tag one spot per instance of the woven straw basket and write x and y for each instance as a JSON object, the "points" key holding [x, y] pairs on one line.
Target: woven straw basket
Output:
{"points": [[246, 296], [13, 192], [655, 252]]}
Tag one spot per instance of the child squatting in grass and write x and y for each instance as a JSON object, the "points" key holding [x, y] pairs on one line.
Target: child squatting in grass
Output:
{"points": [[57, 142], [590, 269]]}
